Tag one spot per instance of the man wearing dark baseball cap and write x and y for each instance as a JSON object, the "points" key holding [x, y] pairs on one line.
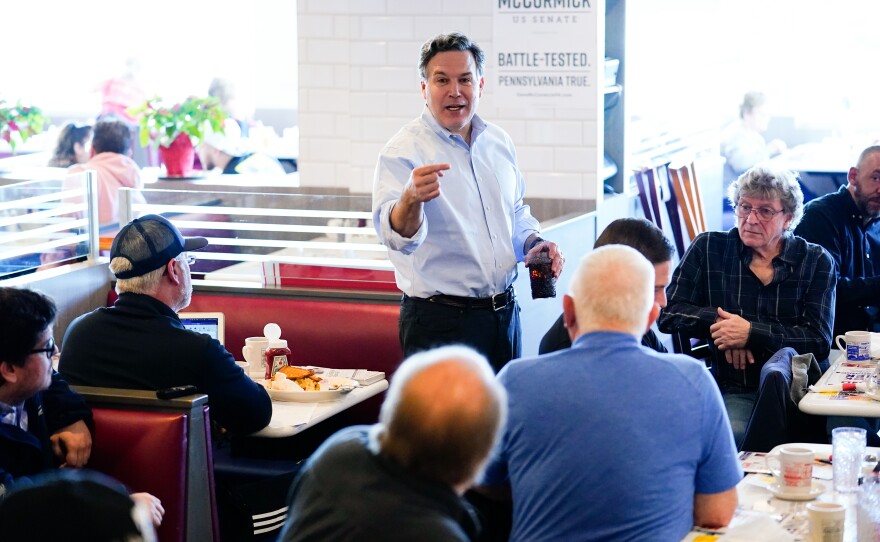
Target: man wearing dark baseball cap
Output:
{"points": [[148, 243], [140, 343]]}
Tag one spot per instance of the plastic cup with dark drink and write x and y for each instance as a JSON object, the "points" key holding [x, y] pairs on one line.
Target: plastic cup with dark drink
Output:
{"points": [[541, 275]]}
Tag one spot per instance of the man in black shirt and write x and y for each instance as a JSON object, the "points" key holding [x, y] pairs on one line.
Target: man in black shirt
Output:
{"points": [[139, 343], [846, 223], [402, 479], [645, 237]]}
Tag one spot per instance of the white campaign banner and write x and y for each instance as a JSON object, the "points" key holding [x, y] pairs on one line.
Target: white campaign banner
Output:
{"points": [[545, 53]]}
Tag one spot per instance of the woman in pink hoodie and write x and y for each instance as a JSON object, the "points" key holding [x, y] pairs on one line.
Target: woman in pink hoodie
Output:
{"points": [[111, 159]]}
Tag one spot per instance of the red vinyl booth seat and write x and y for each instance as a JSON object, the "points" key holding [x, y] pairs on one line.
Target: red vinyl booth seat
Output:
{"points": [[147, 451], [162, 447]]}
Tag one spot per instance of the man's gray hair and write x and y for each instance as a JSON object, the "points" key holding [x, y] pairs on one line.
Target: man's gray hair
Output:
{"points": [[144, 284], [613, 289], [443, 415], [449, 42], [765, 183], [136, 247]]}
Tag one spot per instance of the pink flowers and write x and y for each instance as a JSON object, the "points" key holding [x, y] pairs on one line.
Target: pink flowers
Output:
{"points": [[19, 122]]}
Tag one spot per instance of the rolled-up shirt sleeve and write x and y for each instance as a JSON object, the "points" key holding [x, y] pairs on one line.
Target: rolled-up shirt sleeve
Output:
{"points": [[392, 174]]}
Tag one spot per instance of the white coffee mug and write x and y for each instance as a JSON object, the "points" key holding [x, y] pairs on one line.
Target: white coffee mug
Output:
{"points": [[254, 350], [793, 469], [857, 345], [826, 521]]}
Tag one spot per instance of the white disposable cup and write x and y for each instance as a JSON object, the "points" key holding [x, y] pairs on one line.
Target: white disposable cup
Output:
{"points": [[793, 469], [254, 351], [856, 344], [826, 521], [847, 452]]}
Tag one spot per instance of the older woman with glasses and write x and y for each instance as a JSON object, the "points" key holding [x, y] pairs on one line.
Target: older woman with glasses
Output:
{"points": [[754, 289]]}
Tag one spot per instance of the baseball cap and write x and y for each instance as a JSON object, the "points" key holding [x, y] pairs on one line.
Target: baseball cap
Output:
{"points": [[149, 242]]}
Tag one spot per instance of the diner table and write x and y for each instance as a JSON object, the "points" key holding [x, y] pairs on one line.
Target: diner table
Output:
{"points": [[760, 516], [827, 397], [290, 418]]}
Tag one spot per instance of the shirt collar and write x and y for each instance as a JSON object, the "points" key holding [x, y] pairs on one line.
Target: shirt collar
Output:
{"points": [[788, 254], [854, 209], [478, 125], [596, 338]]}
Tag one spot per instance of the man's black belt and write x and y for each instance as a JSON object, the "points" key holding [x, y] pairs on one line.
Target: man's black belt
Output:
{"points": [[496, 302]]}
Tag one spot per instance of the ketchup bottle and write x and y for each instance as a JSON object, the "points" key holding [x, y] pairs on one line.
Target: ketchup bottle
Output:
{"points": [[277, 354]]}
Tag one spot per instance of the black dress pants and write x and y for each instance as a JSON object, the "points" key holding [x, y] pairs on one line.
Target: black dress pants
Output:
{"points": [[494, 333]]}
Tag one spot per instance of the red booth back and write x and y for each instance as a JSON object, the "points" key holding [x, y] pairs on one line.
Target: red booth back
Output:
{"points": [[336, 334], [146, 451]]}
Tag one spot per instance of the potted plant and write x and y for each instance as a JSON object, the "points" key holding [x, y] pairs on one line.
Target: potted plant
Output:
{"points": [[19, 122], [178, 128]]}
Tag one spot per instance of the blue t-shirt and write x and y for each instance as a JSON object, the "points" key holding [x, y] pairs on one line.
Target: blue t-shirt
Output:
{"points": [[609, 440]]}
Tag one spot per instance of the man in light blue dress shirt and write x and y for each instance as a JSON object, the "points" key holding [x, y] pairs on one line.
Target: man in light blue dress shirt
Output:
{"points": [[448, 204]]}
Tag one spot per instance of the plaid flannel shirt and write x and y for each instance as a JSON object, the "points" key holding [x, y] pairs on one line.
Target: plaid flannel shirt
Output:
{"points": [[796, 309]]}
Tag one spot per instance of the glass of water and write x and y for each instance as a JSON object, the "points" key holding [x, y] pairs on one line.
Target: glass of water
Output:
{"points": [[848, 450]]}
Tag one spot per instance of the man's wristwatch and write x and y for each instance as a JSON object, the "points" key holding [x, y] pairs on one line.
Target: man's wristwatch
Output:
{"points": [[533, 243]]}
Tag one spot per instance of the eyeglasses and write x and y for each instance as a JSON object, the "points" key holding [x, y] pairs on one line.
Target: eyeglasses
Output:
{"points": [[49, 350], [185, 257], [763, 213]]}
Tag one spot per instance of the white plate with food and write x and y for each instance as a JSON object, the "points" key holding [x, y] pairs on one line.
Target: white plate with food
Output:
{"points": [[303, 386]]}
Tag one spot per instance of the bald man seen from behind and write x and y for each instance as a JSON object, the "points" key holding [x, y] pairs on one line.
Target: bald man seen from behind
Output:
{"points": [[609, 440], [402, 479]]}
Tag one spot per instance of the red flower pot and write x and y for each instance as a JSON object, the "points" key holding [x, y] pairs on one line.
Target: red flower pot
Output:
{"points": [[178, 157]]}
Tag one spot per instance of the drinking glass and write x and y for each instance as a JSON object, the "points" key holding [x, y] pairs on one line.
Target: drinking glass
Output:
{"points": [[869, 510], [847, 451], [541, 274]]}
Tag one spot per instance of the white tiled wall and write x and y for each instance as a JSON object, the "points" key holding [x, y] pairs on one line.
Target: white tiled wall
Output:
{"points": [[358, 84]]}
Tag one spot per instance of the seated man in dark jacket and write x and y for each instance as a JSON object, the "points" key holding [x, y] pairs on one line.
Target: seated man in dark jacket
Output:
{"points": [[140, 343], [645, 237], [35, 402], [402, 479], [42, 422], [846, 223]]}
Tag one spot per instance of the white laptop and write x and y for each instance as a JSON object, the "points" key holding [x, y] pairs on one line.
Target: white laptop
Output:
{"points": [[209, 323]]}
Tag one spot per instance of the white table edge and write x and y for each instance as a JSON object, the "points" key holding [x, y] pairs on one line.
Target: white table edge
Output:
{"points": [[325, 410], [812, 402]]}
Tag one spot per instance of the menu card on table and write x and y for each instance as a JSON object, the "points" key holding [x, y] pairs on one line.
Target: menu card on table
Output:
{"points": [[754, 462], [361, 376], [847, 373]]}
